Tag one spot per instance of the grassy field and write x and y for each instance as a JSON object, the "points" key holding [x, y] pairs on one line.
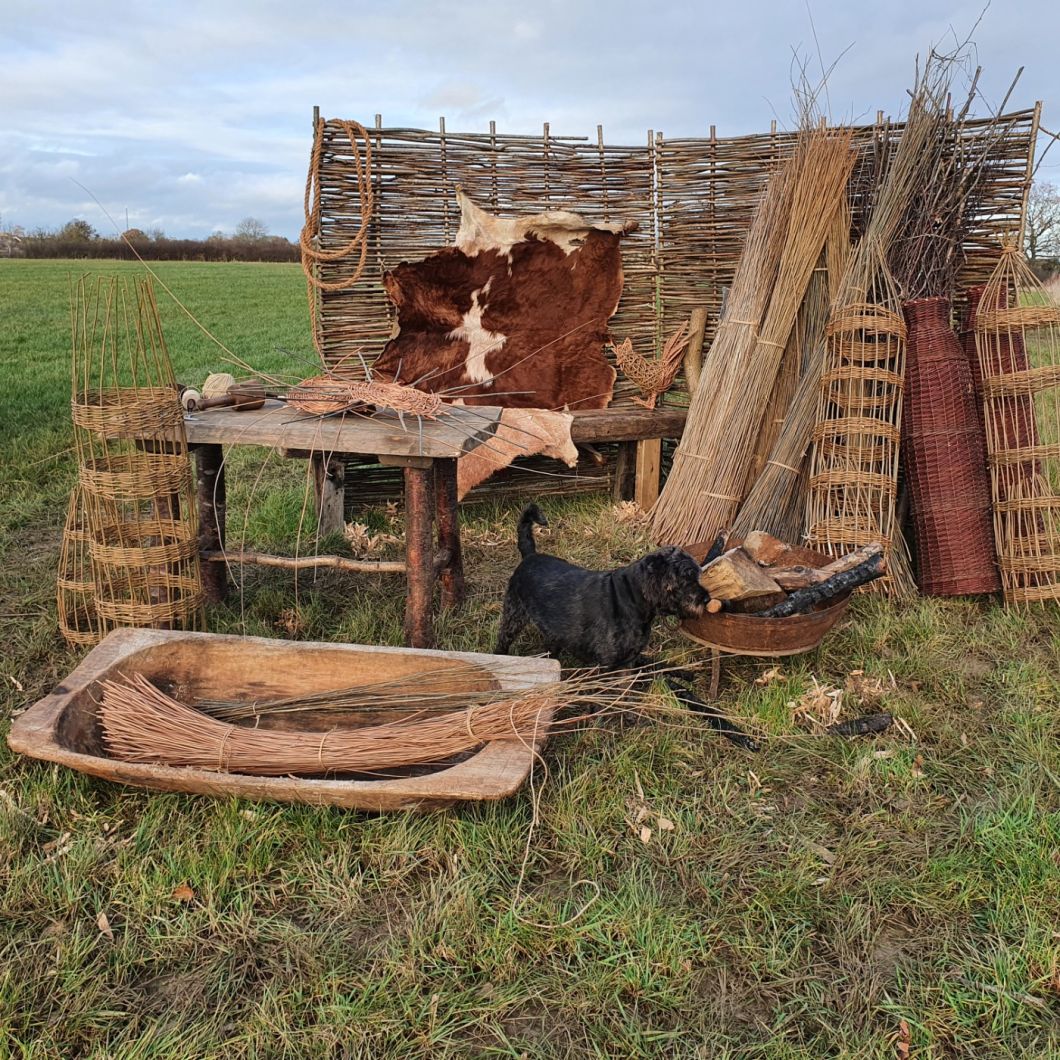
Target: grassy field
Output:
{"points": [[880, 898]]}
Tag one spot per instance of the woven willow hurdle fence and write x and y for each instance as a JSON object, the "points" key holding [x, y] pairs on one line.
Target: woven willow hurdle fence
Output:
{"points": [[692, 198]]}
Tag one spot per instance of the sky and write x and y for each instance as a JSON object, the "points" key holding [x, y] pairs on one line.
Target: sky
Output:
{"points": [[188, 117]]}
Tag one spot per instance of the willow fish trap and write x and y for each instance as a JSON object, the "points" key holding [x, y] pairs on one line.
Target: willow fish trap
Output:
{"points": [[74, 588], [857, 437], [135, 473], [1017, 333]]}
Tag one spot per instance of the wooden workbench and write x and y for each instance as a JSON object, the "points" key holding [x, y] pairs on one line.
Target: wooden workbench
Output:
{"points": [[426, 452]]}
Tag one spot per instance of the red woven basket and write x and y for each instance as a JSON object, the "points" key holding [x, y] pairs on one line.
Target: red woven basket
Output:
{"points": [[945, 459]]}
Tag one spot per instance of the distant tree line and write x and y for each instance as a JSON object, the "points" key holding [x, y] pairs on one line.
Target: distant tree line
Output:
{"points": [[78, 239]]}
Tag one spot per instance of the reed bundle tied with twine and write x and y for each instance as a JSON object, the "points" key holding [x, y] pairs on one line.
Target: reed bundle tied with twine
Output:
{"points": [[717, 450], [776, 500], [143, 724]]}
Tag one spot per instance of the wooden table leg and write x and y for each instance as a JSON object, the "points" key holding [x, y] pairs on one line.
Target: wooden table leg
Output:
{"points": [[329, 476], [210, 491], [448, 518], [625, 472], [419, 556]]}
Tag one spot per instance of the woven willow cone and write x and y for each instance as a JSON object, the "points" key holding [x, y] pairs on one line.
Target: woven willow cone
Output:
{"points": [[717, 450], [74, 587], [856, 439], [135, 472], [944, 458], [1017, 333]]}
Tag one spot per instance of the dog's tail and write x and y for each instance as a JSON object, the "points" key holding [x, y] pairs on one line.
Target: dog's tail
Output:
{"points": [[531, 514]]}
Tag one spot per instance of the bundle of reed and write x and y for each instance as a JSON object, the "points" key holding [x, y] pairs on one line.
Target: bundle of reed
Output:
{"points": [[718, 446], [443, 689], [1017, 332], [776, 501], [135, 472], [944, 457], [142, 724]]}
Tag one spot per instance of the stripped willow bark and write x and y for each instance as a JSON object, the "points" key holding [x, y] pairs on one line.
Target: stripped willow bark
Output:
{"points": [[785, 241]]}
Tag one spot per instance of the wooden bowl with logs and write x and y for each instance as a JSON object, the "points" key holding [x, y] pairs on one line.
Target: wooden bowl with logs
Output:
{"points": [[796, 568]]}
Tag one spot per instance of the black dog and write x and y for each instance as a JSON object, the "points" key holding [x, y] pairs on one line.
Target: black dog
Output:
{"points": [[604, 617]]}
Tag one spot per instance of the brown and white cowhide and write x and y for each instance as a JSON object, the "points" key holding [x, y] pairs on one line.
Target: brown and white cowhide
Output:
{"points": [[514, 314]]}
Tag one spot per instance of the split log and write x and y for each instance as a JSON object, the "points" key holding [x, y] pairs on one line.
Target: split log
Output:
{"points": [[804, 599], [717, 548], [735, 576], [765, 549]]}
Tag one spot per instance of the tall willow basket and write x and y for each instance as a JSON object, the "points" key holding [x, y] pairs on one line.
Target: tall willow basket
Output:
{"points": [[857, 437], [1017, 337], [135, 471]]}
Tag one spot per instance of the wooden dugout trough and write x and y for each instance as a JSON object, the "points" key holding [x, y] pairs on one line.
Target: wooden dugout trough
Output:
{"points": [[64, 726]]}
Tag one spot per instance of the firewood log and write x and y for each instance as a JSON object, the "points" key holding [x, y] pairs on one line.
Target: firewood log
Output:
{"points": [[802, 600], [735, 576]]}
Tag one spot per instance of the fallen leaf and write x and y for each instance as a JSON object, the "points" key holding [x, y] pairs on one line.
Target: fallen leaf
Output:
{"points": [[901, 1045], [774, 673], [645, 834], [104, 926], [822, 852], [918, 767], [15, 682], [183, 893]]}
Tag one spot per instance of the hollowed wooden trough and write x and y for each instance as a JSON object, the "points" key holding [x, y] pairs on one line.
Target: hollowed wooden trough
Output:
{"points": [[64, 726]]}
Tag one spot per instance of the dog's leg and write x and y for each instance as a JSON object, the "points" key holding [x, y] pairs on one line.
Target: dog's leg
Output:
{"points": [[513, 621]]}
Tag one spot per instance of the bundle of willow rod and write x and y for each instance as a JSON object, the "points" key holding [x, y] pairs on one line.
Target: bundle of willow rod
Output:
{"points": [[856, 440], [776, 501], [143, 724], [717, 449], [1017, 334]]}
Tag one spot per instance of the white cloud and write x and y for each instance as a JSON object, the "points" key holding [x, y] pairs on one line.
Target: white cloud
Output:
{"points": [[147, 98]]}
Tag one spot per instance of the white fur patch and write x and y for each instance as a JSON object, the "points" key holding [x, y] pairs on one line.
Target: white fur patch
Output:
{"points": [[481, 342]]}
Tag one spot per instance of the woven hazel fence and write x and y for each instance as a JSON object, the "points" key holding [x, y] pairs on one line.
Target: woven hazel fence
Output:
{"points": [[693, 199], [944, 457], [1017, 331], [139, 516]]}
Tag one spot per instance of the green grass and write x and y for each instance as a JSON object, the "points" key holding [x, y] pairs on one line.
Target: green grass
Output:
{"points": [[807, 901]]}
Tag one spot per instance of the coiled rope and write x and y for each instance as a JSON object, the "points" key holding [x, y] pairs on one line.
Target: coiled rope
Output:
{"points": [[312, 255]]}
